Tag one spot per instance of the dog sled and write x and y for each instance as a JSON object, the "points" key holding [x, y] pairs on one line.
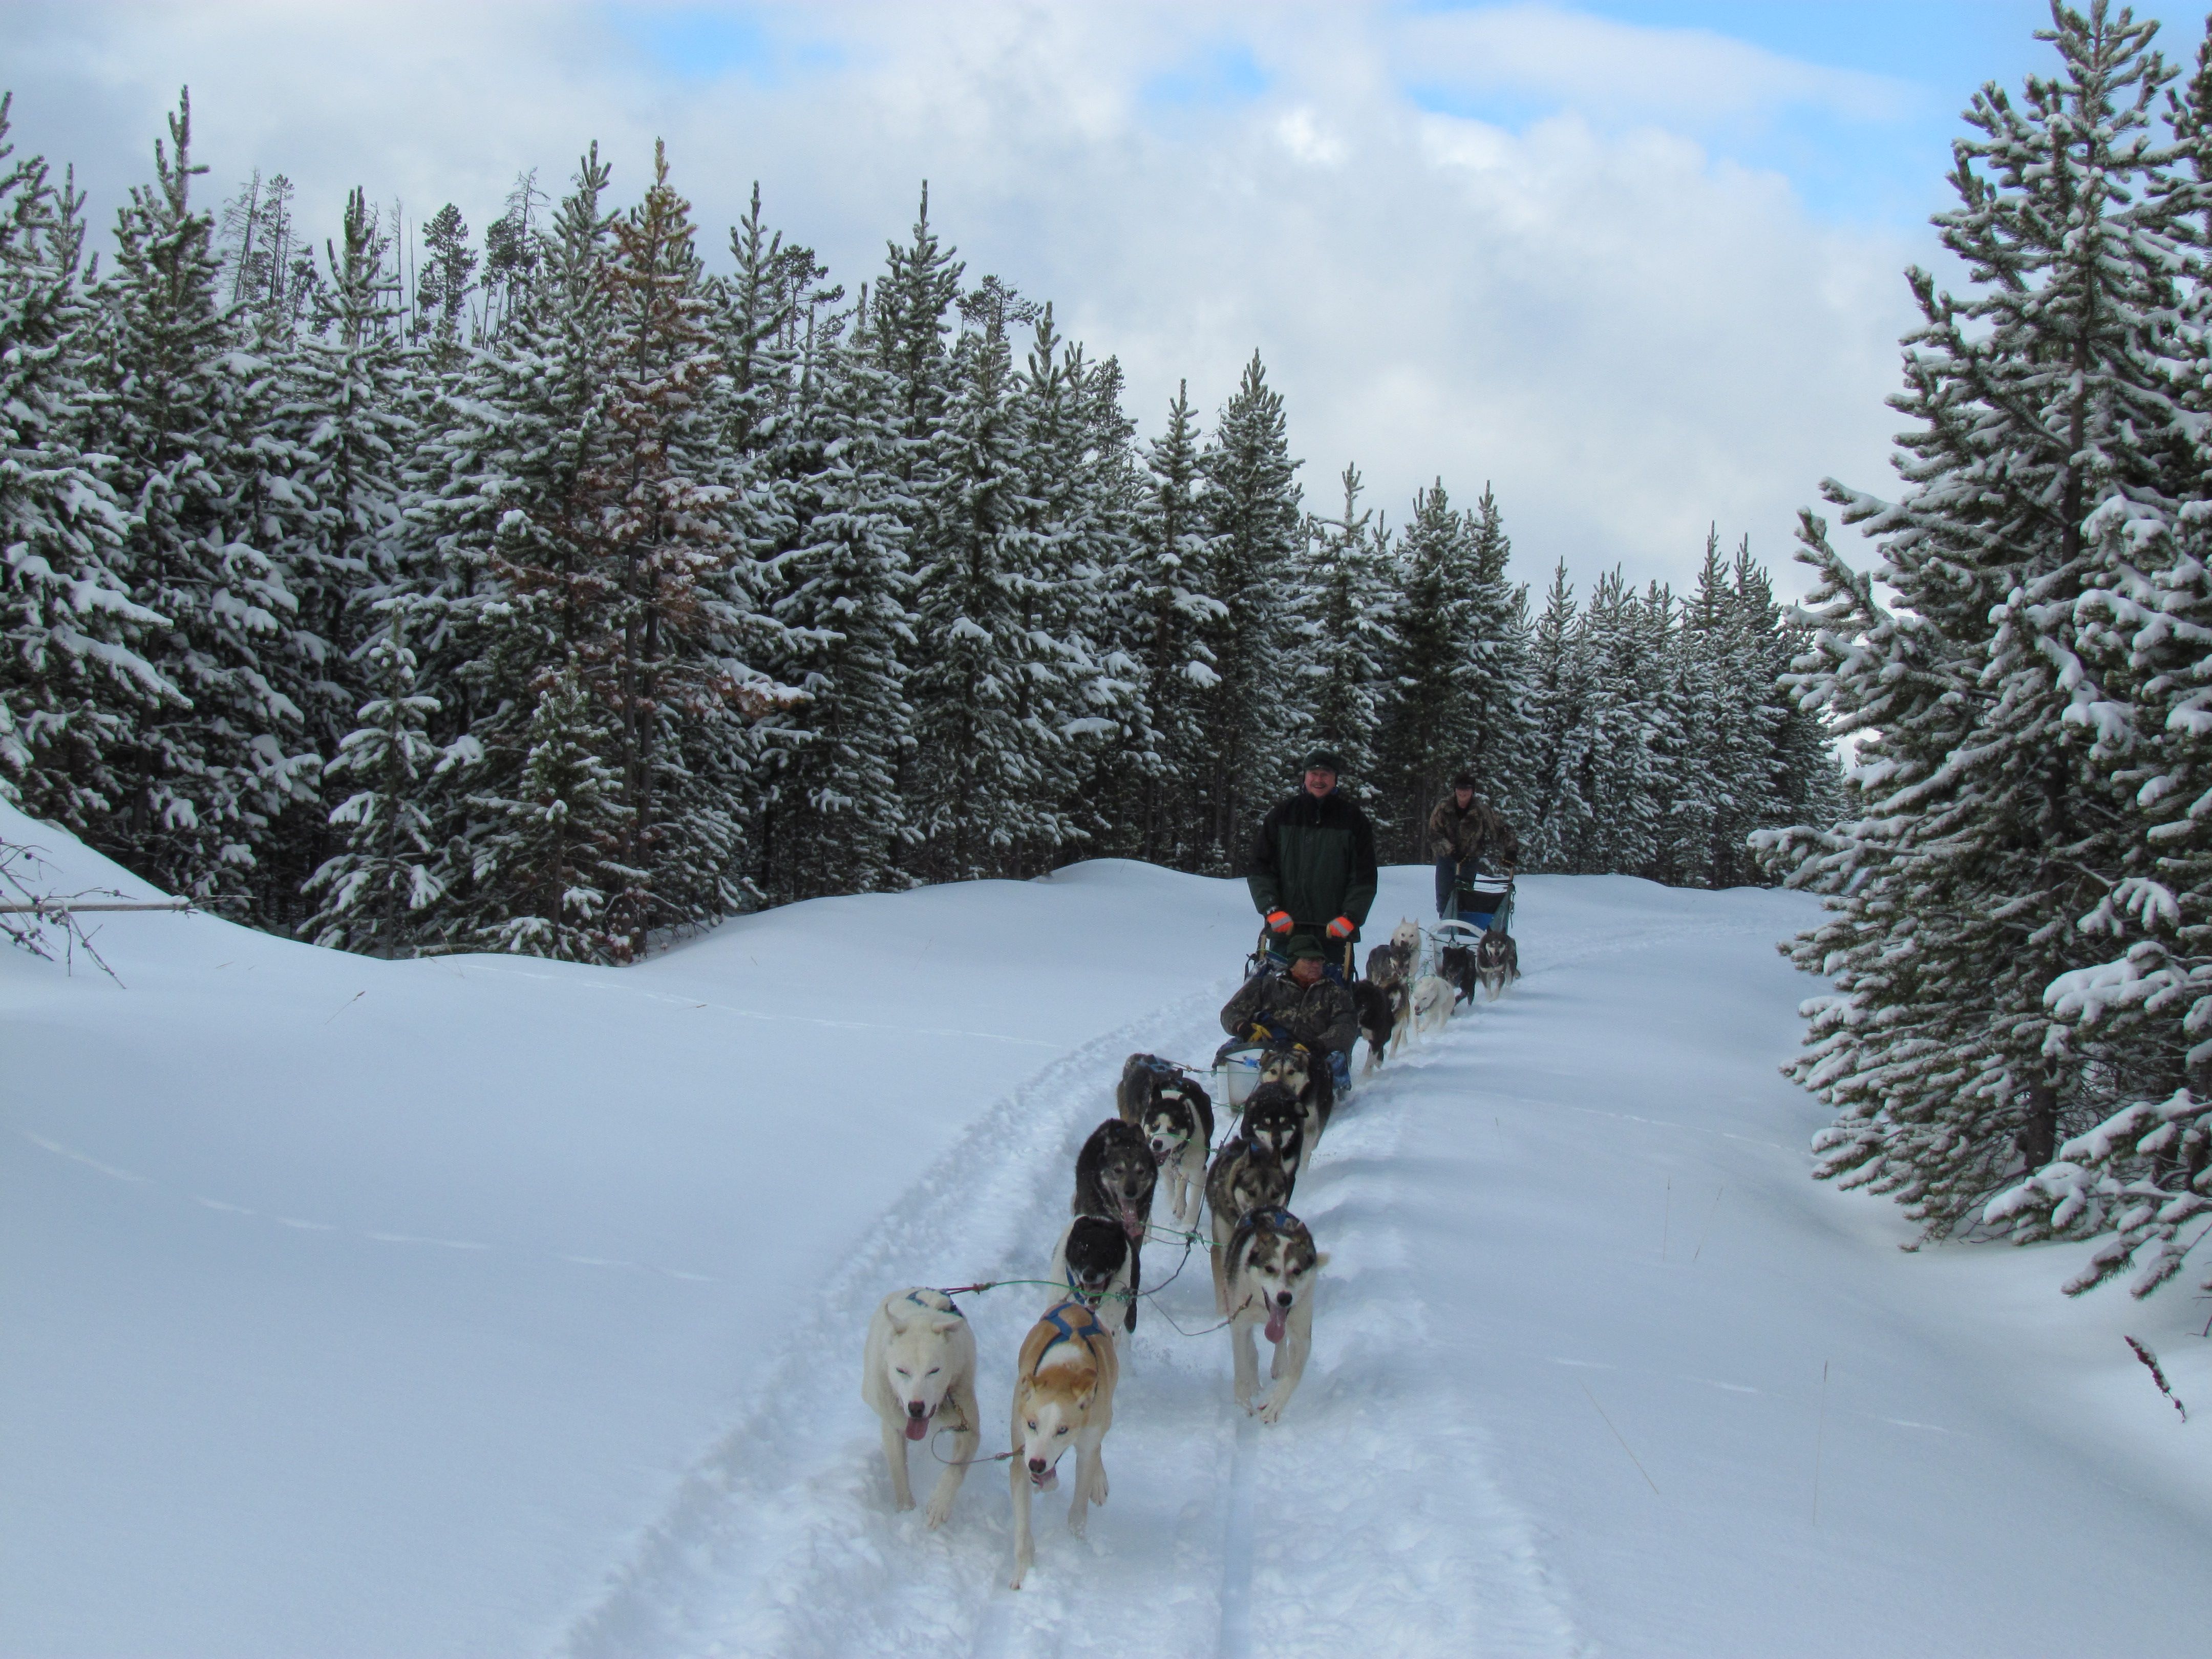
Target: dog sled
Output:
{"points": [[1481, 902]]}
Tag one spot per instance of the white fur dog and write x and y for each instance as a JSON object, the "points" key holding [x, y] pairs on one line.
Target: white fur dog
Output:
{"points": [[919, 1375], [1271, 1265], [1434, 998], [1063, 1397]]}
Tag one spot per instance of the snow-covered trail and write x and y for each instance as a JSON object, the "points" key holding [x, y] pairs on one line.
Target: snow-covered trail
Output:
{"points": [[1567, 1393]]}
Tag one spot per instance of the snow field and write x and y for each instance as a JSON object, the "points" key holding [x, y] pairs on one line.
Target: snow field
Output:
{"points": [[474, 1306]]}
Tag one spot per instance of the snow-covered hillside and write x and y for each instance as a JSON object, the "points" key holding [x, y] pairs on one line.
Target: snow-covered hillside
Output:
{"points": [[481, 1306]]}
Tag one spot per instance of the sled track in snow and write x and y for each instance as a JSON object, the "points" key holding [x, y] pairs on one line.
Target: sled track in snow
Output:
{"points": [[1221, 1537]]}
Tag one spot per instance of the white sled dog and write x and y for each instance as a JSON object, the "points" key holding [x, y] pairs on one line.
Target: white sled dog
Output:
{"points": [[919, 1375], [1434, 999], [1063, 1397], [1271, 1265]]}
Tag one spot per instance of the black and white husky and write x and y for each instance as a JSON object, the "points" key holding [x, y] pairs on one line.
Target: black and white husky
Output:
{"points": [[1372, 1003], [1275, 1118], [1308, 1077], [1176, 1116], [1456, 962], [1097, 1262], [1496, 962], [1114, 1178], [1271, 1264], [1244, 1177]]}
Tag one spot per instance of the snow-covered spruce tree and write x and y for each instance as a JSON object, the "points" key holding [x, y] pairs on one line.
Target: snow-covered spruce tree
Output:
{"points": [[1498, 670], [369, 892], [1978, 832], [1170, 597], [73, 682], [980, 768], [832, 816], [1252, 521], [1345, 613], [551, 850], [498, 561], [679, 605], [345, 429], [1428, 726], [180, 411], [1557, 814]]}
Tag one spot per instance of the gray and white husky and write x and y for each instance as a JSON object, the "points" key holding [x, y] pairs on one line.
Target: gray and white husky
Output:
{"points": [[1275, 1118], [1496, 962], [1244, 1177], [1176, 1116], [1114, 1178], [1308, 1077], [919, 1375], [1271, 1265]]}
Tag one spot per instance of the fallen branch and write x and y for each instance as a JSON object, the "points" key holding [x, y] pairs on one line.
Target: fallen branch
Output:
{"points": [[2158, 1376]]}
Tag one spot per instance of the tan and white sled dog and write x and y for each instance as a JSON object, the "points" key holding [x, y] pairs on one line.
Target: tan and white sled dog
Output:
{"points": [[1272, 1266], [919, 1377], [1244, 1177], [1063, 1397]]}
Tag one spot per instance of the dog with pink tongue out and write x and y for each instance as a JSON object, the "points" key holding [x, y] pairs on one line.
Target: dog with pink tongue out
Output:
{"points": [[1270, 1268], [919, 1375]]}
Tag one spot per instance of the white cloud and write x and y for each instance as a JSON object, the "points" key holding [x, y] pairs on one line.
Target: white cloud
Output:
{"points": [[1626, 337]]}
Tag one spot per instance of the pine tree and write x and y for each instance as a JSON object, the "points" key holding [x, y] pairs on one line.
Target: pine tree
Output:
{"points": [[549, 869], [1348, 614], [211, 774], [1429, 720], [1559, 693], [1977, 841], [73, 680], [372, 890], [1172, 610], [1253, 523]]}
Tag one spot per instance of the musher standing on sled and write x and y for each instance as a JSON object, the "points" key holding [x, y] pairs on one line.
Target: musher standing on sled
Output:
{"points": [[1463, 830], [1312, 876]]}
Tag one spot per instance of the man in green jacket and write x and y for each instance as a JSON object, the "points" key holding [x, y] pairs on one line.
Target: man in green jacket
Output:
{"points": [[1312, 865]]}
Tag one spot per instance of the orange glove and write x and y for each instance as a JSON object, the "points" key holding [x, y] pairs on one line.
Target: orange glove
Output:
{"points": [[1279, 921], [1342, 927]]}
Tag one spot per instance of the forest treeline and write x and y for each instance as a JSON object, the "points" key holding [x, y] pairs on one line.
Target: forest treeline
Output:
{"points": [[548, 593]]}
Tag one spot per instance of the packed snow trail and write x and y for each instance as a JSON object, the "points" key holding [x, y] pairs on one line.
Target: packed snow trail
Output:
{"points": [[477, 1306]]}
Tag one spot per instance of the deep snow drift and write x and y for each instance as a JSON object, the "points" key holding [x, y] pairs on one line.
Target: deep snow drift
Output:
{"points": [[485, 1306]]}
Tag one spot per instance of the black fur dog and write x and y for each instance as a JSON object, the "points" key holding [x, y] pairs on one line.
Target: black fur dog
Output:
{"points": [[1275, 1120], [1372, 1003], [1115, 1176], [1097, 1253], [1457, 964]]}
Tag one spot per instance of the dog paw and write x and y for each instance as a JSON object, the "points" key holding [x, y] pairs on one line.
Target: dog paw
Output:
{"points": [[1270, 1410], [1075, 1518], [902, 1503], [940, 1510]]}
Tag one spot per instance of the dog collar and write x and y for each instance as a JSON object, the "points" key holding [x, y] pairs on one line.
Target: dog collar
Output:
{"points": [[951, 1306], [1274, 1215]]}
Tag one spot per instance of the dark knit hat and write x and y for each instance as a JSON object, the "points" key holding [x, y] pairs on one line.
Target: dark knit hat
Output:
{"points": [[1304, 947], [1464, 781], [1324, 760]]}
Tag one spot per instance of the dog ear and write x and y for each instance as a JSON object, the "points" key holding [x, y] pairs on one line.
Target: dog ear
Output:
{"points": [[1321, 1259]]}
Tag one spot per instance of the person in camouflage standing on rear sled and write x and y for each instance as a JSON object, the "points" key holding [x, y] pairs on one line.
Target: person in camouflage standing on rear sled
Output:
{"points": [[1464, 830]]}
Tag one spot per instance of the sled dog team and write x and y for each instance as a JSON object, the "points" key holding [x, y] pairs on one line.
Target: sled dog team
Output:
{"points": [[918, 1373]]}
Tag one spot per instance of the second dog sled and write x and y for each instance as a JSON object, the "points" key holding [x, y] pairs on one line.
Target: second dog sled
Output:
{"points": [[1482, 900]]}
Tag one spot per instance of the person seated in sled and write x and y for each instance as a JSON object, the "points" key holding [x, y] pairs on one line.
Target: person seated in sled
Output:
{"points": [[1312, 865], [1465, 831], [1300, 1004]]}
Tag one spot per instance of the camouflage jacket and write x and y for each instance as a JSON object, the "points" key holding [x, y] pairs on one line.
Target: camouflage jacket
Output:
{"points": [[1320, 1015], [1477, 833]]}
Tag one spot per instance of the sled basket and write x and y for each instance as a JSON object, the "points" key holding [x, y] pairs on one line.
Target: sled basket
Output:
{"points": [[1486, 899]]}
